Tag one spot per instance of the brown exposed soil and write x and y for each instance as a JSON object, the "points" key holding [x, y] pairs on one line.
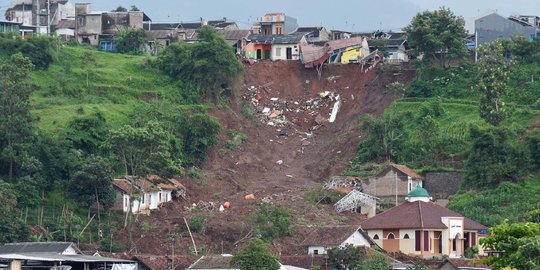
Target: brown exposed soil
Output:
{"points": [[310, 154]]}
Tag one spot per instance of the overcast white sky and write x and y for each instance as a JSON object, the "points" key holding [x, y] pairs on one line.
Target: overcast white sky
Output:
{"points": [[350, 15]]}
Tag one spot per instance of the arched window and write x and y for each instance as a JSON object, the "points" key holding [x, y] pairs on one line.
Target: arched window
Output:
{"points": [[406, 236], [391, 236], [376, 237]]}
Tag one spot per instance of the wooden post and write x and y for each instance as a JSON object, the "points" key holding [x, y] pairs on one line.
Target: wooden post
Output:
{"points": [[191, 235]]}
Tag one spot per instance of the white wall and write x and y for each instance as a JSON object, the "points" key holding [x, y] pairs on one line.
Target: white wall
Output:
{"points": [[153, 200], [279, 51], [65, 32], [356, 239], [320, 249], [407, 246]]}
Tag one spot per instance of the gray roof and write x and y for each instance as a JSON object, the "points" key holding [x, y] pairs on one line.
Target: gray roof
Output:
{"points": [[32, 247], [275, 39], [39, 256]]}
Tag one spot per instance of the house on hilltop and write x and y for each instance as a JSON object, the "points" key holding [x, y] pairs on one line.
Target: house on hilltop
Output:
{"points": [[493, 27], [274, 47], [275, 24], [422, 228]]}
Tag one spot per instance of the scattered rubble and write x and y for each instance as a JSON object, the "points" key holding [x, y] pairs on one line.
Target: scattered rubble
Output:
{"points": [[280, 113]]}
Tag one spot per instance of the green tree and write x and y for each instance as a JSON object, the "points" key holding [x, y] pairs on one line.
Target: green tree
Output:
{"points": [[119, 9], [12, 228], [255, 256], [375, 261], [519, 242], [15, 120], [494, 158], [208, 64], [438, 35], [273, 221], [346, 257], [93, 182], [200, 132], [144, 150], [386, 137], [87, 133], [494, 74], [134, 8], [131, 40]]}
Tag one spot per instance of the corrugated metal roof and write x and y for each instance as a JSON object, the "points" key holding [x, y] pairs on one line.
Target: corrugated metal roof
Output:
{"points": [[28, 247], [275, 39], [38, 256]]}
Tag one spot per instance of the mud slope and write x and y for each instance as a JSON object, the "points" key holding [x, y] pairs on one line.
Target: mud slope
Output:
{"points": [[309, 156]]}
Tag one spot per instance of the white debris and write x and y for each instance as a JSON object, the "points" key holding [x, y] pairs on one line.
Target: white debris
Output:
{"points": [[279, 162], [266, 111]]}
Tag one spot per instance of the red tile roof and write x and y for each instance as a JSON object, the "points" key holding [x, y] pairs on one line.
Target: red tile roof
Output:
{"points": [[146, 185], [406, 170], [167, 186], [412, 215], [176, 183], [122, 185]]}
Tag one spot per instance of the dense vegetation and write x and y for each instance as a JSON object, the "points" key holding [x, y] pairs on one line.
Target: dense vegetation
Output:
{"points": [[84, 117], [479, 119]]}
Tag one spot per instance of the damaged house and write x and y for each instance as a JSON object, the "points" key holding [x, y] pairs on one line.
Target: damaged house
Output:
{"points": [[274, 47], [145, 193]]}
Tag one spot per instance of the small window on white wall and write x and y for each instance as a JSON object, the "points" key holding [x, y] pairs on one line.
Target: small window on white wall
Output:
{"points": [[278, 52], [406, 236], [316, 251], [376, 237]]}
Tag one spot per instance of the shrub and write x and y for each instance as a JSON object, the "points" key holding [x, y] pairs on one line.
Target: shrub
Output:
{"points": [[272, 221], [197, 225]]}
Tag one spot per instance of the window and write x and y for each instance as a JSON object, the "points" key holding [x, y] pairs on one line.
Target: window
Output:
{"points": [[376, 237], [454, 244], [159, 196], [125, 202], [316, 252], [391, 236], [142, 198], [473, 239], [406, 236], [417, 241], [426, 241], [278, 52]]}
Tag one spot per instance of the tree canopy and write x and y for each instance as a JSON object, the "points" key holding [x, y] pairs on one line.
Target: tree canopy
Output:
{"points": [[494, 74], [131, 40], [255, 256], [15, 120], [519, 242], [438, 35], [207, 64]]}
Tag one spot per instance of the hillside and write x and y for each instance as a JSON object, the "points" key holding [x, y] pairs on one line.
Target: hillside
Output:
{"points": [[310, 154], [117, 84]]}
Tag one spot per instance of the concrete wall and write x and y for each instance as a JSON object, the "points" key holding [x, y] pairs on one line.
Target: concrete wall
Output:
{"points": [[494, 26], [384, 186], [279, 51], [442, 185]]}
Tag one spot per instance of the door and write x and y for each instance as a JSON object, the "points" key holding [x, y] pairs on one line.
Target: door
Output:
{"points": [[259, 54], [289, 53]]}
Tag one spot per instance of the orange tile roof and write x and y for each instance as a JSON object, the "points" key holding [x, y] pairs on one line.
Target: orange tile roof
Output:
{"points": [[176, 183], [122, 185], [406, 170], [167, 186]]}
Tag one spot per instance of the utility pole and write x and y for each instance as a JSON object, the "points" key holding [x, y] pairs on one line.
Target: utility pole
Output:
{"points": [[48, 17], [38, 14], [396, 179]]}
